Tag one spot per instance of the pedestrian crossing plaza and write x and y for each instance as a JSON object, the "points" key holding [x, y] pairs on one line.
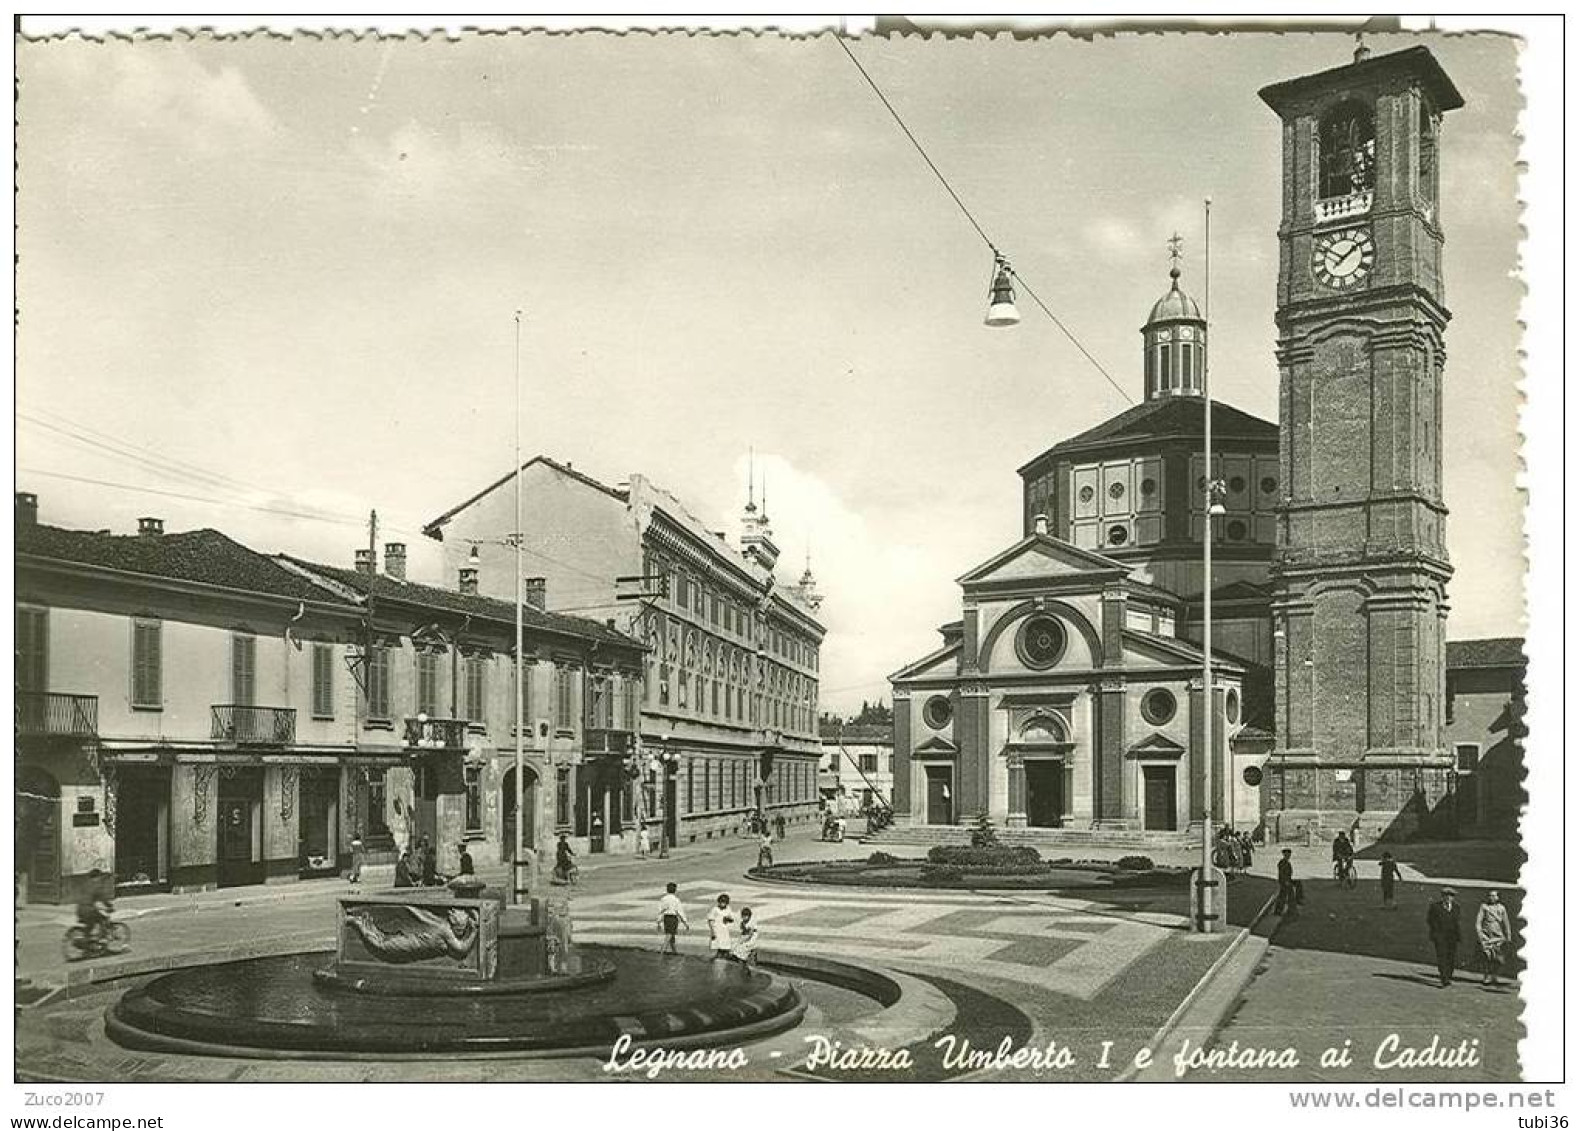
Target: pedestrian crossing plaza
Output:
{"points": [[1071, 947]]}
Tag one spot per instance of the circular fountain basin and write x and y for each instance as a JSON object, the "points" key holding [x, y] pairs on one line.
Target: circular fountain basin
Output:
{"points": [[276, 1007]]}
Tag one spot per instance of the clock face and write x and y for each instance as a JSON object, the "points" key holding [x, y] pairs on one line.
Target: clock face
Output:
{"points": [[1343, 258]]}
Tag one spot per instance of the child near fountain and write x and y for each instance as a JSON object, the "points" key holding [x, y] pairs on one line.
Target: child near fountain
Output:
{"points": [[719, 921], [670, 917], [745, 950]]}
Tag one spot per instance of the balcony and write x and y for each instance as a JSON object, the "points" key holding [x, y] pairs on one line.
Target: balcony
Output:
{"points": [[51, 713], [1342, 207], [436, 734], [603, 740], [253, 726]]}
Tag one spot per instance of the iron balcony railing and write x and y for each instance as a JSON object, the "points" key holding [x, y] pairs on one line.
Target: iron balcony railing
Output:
{"points": [[606, 740], [436, 734], [54, 713], [258, 726]]}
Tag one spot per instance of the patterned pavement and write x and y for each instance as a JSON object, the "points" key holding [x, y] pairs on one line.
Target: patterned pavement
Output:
{"points": [[1070, 947]]}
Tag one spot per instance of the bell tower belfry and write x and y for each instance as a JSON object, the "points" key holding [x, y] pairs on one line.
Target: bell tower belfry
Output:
{"points": [[1361, 568]]}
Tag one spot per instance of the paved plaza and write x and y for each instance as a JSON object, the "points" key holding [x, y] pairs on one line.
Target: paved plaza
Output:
{"points": [[1090, 980]]}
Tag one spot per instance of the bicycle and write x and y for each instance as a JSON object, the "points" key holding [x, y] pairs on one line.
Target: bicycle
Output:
{"points": [[82, 941], [1343, 872]]}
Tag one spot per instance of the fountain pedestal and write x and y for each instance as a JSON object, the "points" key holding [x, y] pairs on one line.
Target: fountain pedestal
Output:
{"points": [[438, 941]]}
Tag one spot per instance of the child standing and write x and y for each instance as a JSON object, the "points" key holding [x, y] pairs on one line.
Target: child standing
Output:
{"points": [[671, 915], [720, 922]]}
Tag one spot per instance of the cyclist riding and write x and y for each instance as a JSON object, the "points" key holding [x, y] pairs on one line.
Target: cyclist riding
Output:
{"points": [[94, 907], [1343, 858]]}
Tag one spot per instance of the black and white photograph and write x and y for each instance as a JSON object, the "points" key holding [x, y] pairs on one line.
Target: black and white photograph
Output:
{"points": [[876, 551]]}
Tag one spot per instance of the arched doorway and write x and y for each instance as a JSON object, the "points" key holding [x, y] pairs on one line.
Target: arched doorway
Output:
{"points": [[507, 809], [38, 833]]}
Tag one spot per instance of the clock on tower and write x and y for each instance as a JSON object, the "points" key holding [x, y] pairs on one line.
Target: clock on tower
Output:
{"points": [[1361, 568]]}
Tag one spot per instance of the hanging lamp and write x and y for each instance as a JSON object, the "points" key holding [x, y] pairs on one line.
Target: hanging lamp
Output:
{"points": [[1001, 310]]}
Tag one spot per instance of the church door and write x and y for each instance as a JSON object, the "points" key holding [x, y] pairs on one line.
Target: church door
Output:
{"points": [[1159, 797], [1044, 794], [940, 802]]}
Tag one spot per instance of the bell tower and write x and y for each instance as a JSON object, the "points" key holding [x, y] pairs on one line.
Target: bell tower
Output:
{"points": [[1361, 569]]}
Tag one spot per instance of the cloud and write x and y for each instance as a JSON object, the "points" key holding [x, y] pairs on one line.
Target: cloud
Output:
{"points": [[171, 92]]}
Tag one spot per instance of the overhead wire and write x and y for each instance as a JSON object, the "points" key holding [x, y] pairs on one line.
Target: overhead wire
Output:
{"points": [[980, 231]]}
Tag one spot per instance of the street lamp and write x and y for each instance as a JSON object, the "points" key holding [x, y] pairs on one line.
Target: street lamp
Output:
{"points": [[1210, 910], [520, 869]]}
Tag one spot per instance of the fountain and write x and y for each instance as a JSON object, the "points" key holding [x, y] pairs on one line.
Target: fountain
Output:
{"points": [[451, 971]]}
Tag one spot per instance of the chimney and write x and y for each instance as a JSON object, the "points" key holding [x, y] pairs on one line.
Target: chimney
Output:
{"points": [[150, 527], [1041, 524], [395, 560], [364, 561], [537, 592], [26, 508], [468, 583]]}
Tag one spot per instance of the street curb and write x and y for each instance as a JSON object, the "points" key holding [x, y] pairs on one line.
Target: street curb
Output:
{"points": [[1205, 1007]]}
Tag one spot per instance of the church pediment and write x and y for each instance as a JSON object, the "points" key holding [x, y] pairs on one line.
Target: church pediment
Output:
{"points": [[1149, 648], [943, 662], [1157, 746], [1042, 557], [935, 747]]}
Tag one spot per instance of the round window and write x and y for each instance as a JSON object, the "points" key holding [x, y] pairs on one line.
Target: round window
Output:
{"points": [[1148, 486], [1268, 485], [937, 712], [1042, 640], [1231, 705], [1116, 490], [1252, 775], [1159, 706], [1117, 535], [1237, 531], [1087, 493], [1236, 484]]}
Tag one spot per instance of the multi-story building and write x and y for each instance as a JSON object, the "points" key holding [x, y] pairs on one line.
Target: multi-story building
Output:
{"points": [[729, 712], [192, 714], [436, 717], [184, 712], [858, 766]]}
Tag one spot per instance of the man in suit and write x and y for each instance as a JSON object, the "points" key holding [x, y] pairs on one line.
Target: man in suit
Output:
{"points": [[1443, 923], [1285, 883]]}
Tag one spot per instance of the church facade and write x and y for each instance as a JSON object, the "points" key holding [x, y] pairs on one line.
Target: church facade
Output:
{"points": [[1069, 691]]}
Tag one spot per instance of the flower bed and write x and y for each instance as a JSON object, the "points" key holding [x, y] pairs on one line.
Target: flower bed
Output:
{"points": [[967, 868]]}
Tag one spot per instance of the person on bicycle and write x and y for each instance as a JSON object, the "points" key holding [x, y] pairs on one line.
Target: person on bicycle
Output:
{"points": [[565, 870], [94, 907], [1342, 856]]}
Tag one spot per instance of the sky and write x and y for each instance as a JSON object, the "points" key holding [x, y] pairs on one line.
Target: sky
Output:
{"points": [[261, 280]]}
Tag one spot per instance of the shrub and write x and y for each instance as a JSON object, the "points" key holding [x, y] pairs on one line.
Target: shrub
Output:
{"points": [[882, 858], [1000, 856], [982, 832], [1135, 863], [950, 873]]}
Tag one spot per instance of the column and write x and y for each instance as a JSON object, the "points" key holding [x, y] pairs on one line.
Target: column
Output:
{"points": [[1110, 752], [971, 732], [1016, 818], [902, 742]]}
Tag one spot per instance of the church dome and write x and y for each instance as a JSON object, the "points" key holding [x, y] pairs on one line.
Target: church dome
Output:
{"points": [[1175, 305]]}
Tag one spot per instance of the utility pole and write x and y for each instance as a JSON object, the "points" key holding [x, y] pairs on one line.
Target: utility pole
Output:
{"points": [[520, 866], [1209, 913]]}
